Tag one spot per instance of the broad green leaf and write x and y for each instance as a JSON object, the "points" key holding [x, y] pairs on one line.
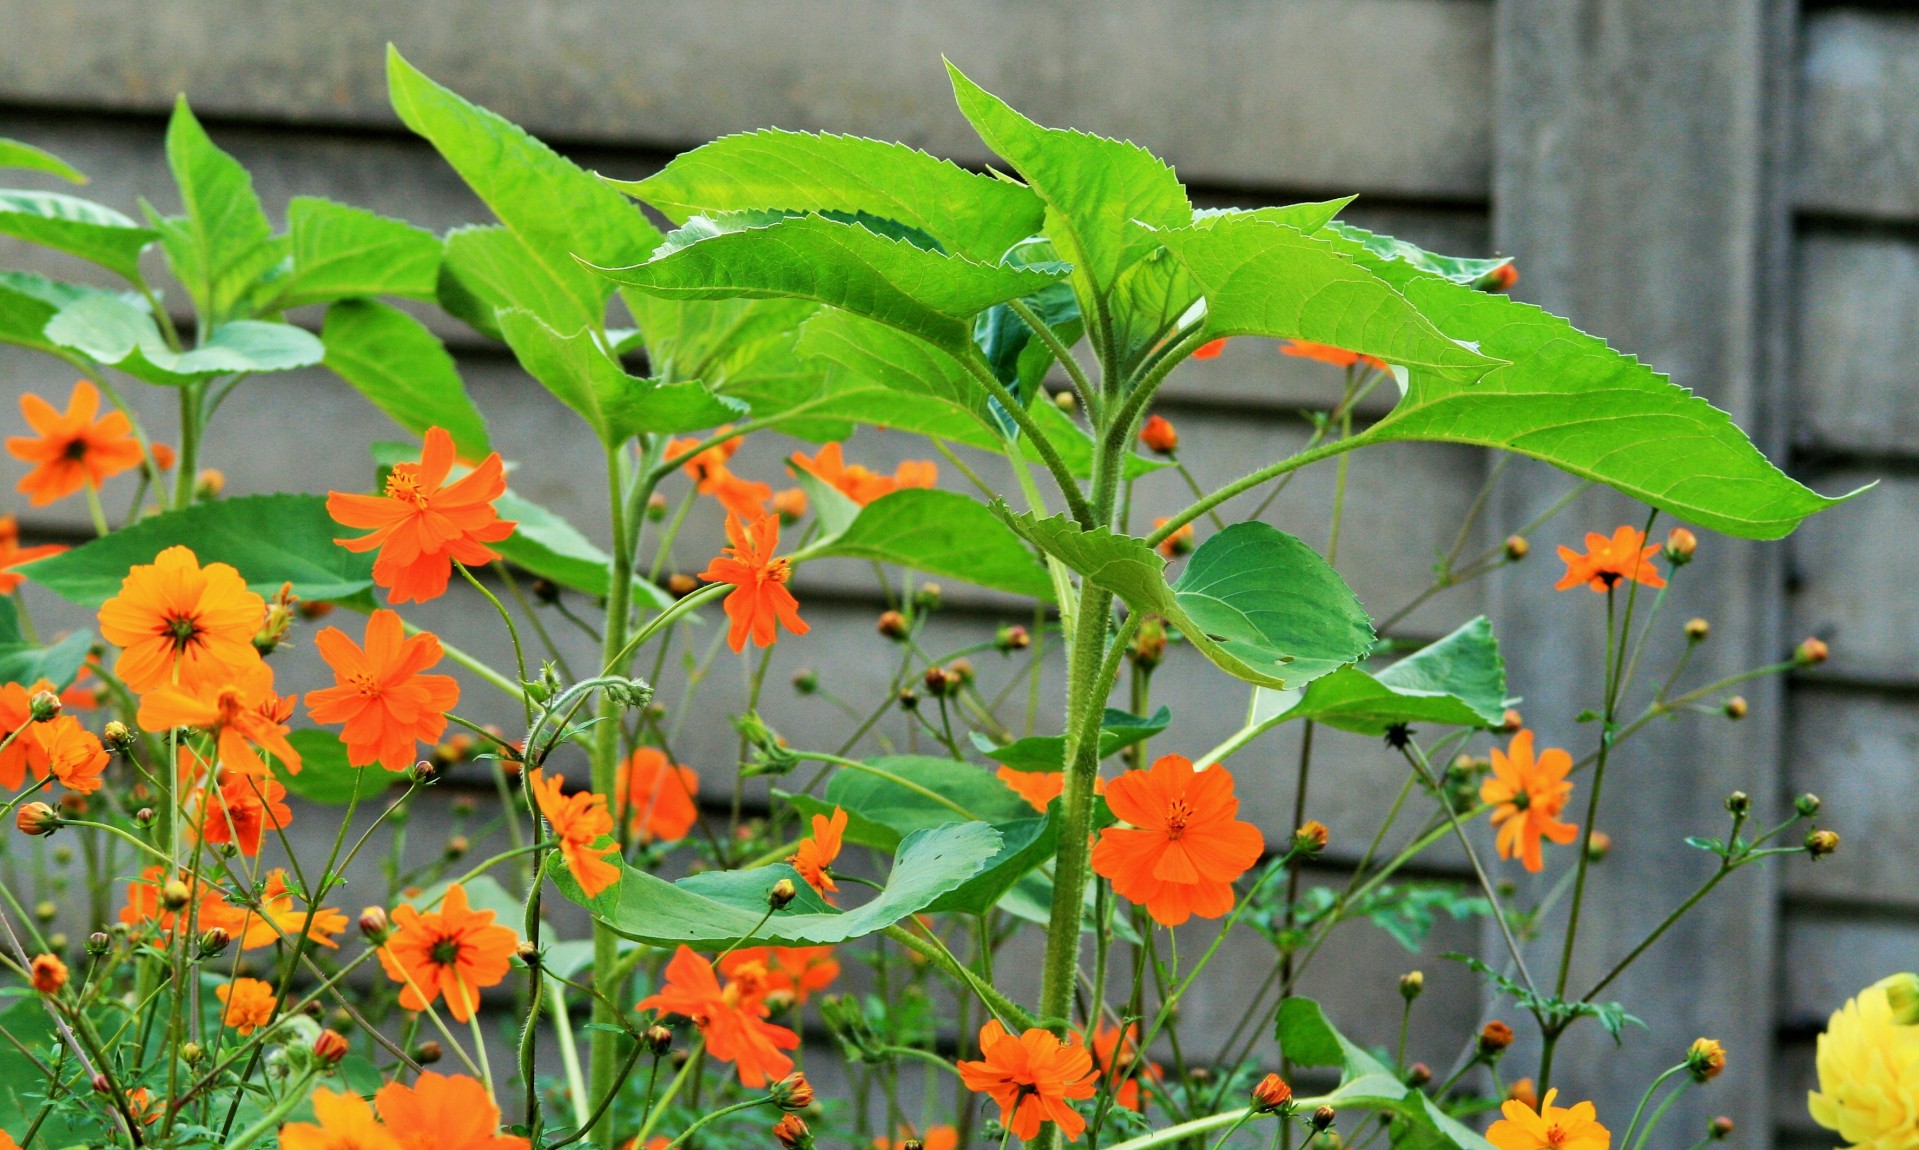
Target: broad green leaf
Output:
{"points": [[1458, 681], [727, 344], [893, 357], [1365, 1083], [832, 507], [1259, 604], [27, 663], [881, 812], [1095, 188], [1012, 349], [1308, 217], [940, 533], [1262, 278], [28, 301], [23, 1084], [552, 548], [404, 370], [221, 240], [1117, 731], [801, 171], [648, 909], [556, 209], [485, 270], [24, 157], [1458, 269], [78, 227], [1030, 899], [921, 292], [584, 376], [111, 330], [326, 776], [269, 539], [1565, 397], [340, 252]]}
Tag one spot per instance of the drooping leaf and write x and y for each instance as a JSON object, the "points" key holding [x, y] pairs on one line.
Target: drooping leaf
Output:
{"points": [[729, 906], [269, 539], [552, 548], [325, 775], [1258, 603], [1458, 269], [802, 171], [1013, 350], [340, 252], [940, 533], [1458, 681], [556, 209], [21, 156], [28, 301], [23, 1081], [224, 241], [403, 369], [924, 293], [1117, 731], [583, 375], [82, 228], [113, 330]]}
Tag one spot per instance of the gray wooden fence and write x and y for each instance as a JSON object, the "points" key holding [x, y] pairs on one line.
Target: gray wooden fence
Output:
{"points": [[1729, 188]]}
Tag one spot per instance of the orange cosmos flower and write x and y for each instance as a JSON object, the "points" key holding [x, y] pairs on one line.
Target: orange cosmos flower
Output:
{"points": [[1548, 1128], [242, 810], [1114, 1053], [1211, 349], [346, 1122], [733, 1020], [277, 920], [422, 524], [795, 970], [934, 1138], [1160, 435], [1040, 788], [455, 949], [25, 750], [1034, 1078], [74, 754], [656, 796], [145, 1108], [1326, 353], [388, 707], [443, 1112], [1528, 797], [180, 624], [1625, 556], [817, 853], [1180, 542], [1184, 848], [48, 973], [248, 1004], [760, 602], [205, 907], [72, 450], [790, 505], [242, 714], [13, 555], [860, 484], [711, 476], [579, 821]]}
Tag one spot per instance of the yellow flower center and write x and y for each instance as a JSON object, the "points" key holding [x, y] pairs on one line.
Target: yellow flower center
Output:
{"points": [[404, 485]]}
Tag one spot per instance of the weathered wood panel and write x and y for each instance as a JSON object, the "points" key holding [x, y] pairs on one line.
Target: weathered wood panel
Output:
{"points": [[1858, 338], [1857, 750], [1236, 93], [1857, 151], [1852, 570]]}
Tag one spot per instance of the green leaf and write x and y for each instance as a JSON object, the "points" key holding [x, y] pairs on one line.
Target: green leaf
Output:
{"points": [[1458, 681], [325, 775], [940, 533], [921, 292], [1258, 603], [729, 344], [1458, 269], [1365, 1083], [1564, 397], [552, 548], [403, 369], [28, 301], [584, 376], [802, 171], [1263, 278], [27, 663], [23, 1087], [217, 249], [269, 539], [78, 227], [1117, 731], [1095, 188], [881, 812], [647, 908], [893, 357], [114, 331], [485, 270], [340, 252], [556, 209], [25, 157]]}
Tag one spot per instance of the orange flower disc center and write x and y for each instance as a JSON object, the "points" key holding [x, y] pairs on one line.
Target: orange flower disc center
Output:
{"points": [[1179, 812], [405, 486], [1556, 1135]]}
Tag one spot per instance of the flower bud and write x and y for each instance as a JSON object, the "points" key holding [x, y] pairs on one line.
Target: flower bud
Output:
{"points": [[456, 847], [1324, 1116], [192, 1053], [909, 699], [116, 736], [1697, 630], [44, 706], [1739, 803], [1721, 1129], [927, 598], [1811, 652], [806, 681], [1511, 721], [782, 894], [98, 943], [311, 610], [36, 819], [73, 805], [1418, 1075], [1412, 984], [49, 974], [428, 1052], [209, 483], [658, 1040], [1902, 993], [45, 910], [1807, 805], [793, 1092], [545, 591], [912, 1144], [1149, 644], [939, 682], [527, 953], [1680, 544], [279, 620], [1735, 707], [792, 1133], [1523, 1091], [1311, 837], [1271, 1093], [1599, 847], [1517, 548], [656, 507], [893, 625], [1012, 638], [1819, 844], [1180, 542], [1494, 1038], [424, 771], [1500, 279], [1159, 435], [1065, 401], [680, 585], [175, 896], [790, 505], [1705, 1059], [214, 942], [143, 818], [375, 925], [101, 1085], [330, 1047]]}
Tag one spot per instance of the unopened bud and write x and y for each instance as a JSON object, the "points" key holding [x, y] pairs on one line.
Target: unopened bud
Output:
{"points": [[1697, 630], [792, 1133], [806, 681], [656, 507], [1705, 1059], [457, 846], [1412, 984], [892, 624], [909, 699], [214, 942], [311, 610], [423, 772], [192, 1053], [99, 943], [174, 895], [1418, 1075], [116, 736], [1511, 721], [1012, 638], [939, 682], [1735, 707], [658, 1040], [1324, 1117], [44, 706], [73, 805], [1721, 1129], [1811, 652], [1271, 1093], [1494, 1037], [1739, 802], [375, 925], [680, 585], [1902, 993], [1517, 548], [428, 1052], [209, 483], [37, 819], [1807, 805], [1523, 1091], [793, 1092], [1149, 644], [1680, 544], [1065, 401], [527, 953], [928, 597], [101, 1085], [1819, 844], [782, 894], [330, 1047], [1311, 837], [1159, 435], [1598, 847], [546, 591], [143, 818], [45, 910]]}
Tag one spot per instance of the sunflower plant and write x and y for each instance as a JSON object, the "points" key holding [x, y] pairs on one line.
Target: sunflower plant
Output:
{"points": [[640, 961]]}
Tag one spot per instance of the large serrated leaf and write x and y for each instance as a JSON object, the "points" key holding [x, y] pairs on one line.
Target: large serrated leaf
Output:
{"points": [[940, 533], [340, 252], [82, 228], [1457, 681], [403, 369], [1117, 731], [224, 241], [269, 539], [112, 330], [727, 907], [1258, 603], [922, 292], [802, 171]]}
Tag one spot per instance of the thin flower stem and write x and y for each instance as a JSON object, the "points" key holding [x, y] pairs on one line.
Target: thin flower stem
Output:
{"points": [[1640, 1110], [897, 780], [1088, 395], [658, 1108], [513, 632], [156, 852], [487, 674], [1251, 480], [932, 949]]}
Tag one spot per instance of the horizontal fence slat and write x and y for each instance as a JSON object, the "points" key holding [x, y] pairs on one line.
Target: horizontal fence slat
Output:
{"points": [[1858, 299], [1858, 143]]}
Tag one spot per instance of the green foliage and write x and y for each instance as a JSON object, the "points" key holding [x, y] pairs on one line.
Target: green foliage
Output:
{"points": [[552, 548], [28, 302], [224, 242], [269, 539], [403, 369], [78, 227], [325, 776], [27, 663], [941, 533], [21, 156], [1457, 681], [1117, 731], [1552, 1011], [340, 252], [118, 332]]}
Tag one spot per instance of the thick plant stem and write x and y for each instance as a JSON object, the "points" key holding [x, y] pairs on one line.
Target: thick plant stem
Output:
{"points": [[604, 1055]]}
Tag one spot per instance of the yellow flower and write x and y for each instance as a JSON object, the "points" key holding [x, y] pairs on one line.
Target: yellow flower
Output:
{"points": [[1869, 1074], [1549, 1127]]}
